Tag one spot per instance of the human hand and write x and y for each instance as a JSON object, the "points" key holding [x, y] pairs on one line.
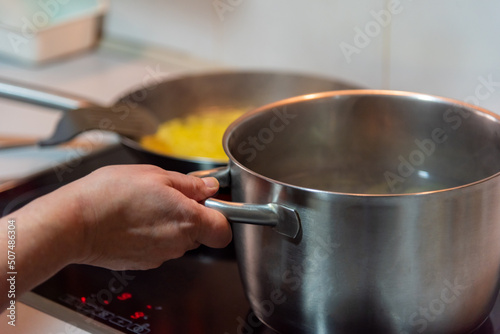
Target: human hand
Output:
{"points": [[118, 217], [138, 216]]}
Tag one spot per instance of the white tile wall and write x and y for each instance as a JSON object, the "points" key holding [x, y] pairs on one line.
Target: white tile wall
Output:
{"points": [[298, 35], [184, 25], [445, 48], [439, 47]]}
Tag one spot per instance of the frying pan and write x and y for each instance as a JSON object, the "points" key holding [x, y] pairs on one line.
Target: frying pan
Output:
{"points": [[187, 94]]}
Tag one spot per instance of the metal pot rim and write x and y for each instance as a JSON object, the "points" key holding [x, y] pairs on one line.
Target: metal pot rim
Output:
{"points": [[355, 92]]}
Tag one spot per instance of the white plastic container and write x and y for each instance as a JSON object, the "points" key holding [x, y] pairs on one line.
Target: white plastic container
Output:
{"points": [[37, 31]]}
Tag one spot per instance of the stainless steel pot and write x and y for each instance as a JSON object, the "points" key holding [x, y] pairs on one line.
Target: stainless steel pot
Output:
{"points": [[398, 200]]}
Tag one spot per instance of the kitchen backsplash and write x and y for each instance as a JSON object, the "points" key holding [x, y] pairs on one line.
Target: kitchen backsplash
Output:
{"points": [[448, 47]]}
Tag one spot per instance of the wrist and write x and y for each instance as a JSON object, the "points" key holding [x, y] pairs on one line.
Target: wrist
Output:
{"points": [[47, 238], [56, 226]]}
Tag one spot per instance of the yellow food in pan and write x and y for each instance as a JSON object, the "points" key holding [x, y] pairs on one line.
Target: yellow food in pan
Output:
{"points": [[194, 136]]}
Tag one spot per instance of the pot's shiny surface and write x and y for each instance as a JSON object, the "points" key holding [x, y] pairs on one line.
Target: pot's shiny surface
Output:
{"points": [[372, 257]]}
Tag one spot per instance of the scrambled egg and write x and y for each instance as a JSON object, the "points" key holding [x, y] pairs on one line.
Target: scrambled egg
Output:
{"points": [[195, 136]]}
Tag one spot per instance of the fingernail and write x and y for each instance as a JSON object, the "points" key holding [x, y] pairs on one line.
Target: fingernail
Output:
{"points": [[211, 182]]}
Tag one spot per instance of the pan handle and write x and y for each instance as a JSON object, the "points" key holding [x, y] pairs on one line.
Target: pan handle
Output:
{"points": [[281, 218], [41, 96]]}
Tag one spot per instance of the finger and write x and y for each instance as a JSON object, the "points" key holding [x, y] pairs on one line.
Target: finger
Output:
{"points": [[193, 187], [214, 229]]}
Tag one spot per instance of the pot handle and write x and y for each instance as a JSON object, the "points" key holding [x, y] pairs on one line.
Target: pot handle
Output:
{"points": [[281, 218]]}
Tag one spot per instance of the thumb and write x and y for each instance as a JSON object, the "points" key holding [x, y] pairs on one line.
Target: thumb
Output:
{"points": [[212, 184], [194, 187]]}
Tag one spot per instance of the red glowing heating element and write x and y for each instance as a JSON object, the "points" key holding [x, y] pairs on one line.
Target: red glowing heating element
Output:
{"points": [[137, 315], [124, 296]]}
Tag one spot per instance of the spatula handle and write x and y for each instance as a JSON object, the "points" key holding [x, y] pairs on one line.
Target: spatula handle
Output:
{"points": [[41, 96]]}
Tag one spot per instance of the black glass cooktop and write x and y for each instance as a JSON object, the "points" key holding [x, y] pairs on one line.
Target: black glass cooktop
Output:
{"points": [[198, 293]]}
